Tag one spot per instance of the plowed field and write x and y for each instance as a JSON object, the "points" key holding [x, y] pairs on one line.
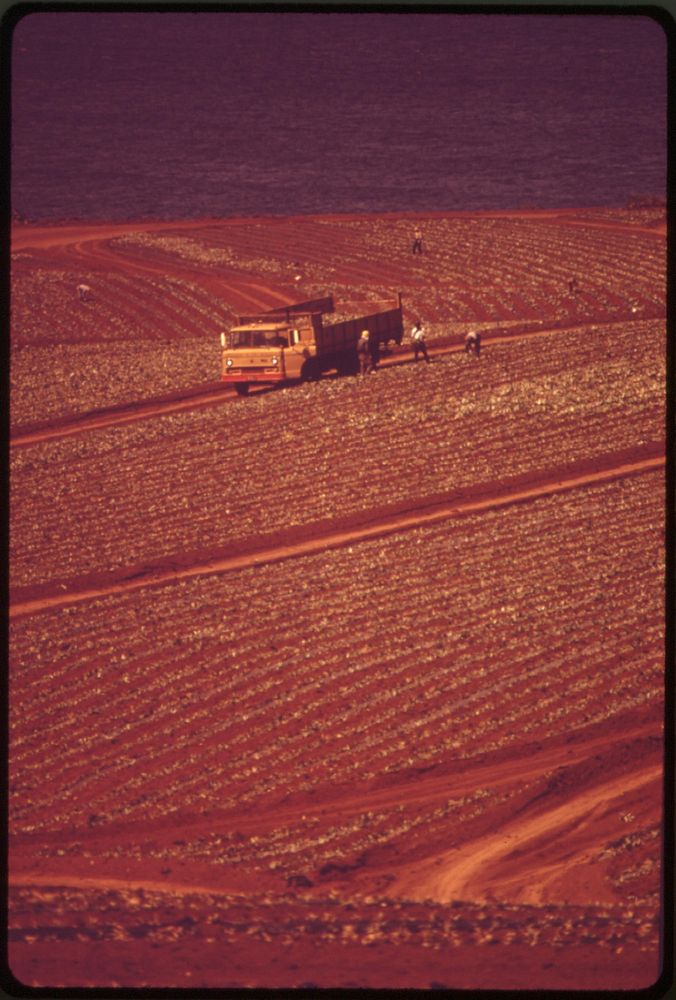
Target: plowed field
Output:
{"points": [[357, 682]]}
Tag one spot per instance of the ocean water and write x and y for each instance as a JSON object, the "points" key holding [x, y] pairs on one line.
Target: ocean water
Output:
{"points": [[216, 114]]}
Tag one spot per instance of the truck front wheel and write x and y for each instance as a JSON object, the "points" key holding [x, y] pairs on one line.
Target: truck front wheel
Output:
{"points": [[242, 388]]}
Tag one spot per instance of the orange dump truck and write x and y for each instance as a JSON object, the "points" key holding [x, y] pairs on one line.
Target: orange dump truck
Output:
{"points": [[294, 343]]}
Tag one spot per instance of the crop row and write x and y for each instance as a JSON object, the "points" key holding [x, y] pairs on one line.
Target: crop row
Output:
{"points": [[482, 269], [202, 480], [341, 666], [513, 253], [523, 257], [46, 310], [137, 338], [66, 380], [118, 914], [311, 847], [205, 252]]}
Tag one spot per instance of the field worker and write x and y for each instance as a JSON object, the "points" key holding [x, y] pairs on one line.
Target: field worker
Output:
{"points": [[417, 241], [84, 293], [572, 285], [473, 343], [363, 352], [418, 342]]}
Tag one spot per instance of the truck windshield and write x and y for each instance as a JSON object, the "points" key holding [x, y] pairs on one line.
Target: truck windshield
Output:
{"points": [[257, 338]]}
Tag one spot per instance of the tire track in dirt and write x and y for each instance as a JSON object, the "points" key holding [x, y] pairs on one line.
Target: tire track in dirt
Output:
{"points": [[385, 525], [475, 871]]}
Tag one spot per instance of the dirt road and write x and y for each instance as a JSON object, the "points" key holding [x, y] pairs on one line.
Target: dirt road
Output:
{"points": [[414, 518], [508, 863]]}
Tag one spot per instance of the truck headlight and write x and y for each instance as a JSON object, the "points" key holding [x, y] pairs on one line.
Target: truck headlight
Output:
{"points": [[229, 362], [275, 361]]}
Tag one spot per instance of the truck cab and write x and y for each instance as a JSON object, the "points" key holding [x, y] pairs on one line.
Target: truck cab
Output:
{"points": [[267, 351]]}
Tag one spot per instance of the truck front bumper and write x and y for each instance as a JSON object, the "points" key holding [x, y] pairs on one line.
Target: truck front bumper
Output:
{"points": [[269, 375]]}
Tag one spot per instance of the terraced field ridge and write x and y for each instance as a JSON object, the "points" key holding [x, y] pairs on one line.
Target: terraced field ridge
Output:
{"points": [[353, 683]]}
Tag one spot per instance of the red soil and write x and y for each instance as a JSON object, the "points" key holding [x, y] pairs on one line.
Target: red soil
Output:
{"points": [[528, 858]]}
